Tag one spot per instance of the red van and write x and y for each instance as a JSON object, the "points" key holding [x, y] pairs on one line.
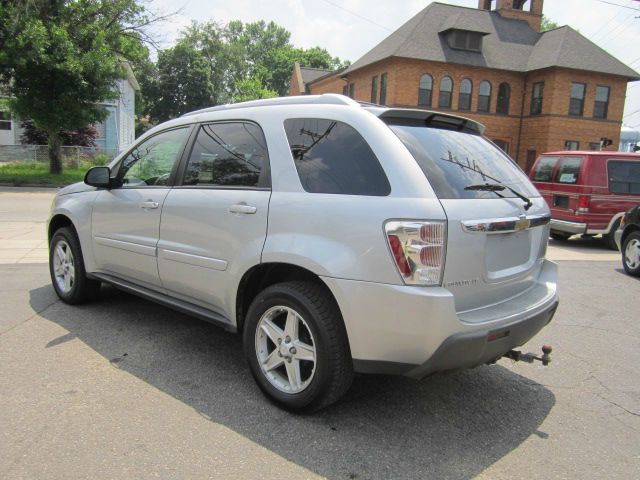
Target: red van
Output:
{"points": [[587, 192]]}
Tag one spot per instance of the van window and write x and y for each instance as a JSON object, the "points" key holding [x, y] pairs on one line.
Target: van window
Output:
{"points": [[569, 170], [624, 176], [544, 169], [332, 157]]}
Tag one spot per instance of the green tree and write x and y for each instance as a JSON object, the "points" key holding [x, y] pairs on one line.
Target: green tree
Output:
{"points": [[548, 24], [252, 89], [60, 58]]}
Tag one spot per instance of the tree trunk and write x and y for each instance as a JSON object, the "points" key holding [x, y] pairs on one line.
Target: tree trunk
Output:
{"points": [[55, 159]]}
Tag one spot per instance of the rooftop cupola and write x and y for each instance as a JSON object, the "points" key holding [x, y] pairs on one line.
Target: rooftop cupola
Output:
{"points": [[528, 10]]}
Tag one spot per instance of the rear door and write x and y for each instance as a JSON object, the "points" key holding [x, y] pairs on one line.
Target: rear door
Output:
{"points": [[495, 240], [566, 188], [125, 221], [214, 223]]}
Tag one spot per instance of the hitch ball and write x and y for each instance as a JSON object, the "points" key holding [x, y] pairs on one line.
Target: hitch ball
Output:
{"points": [[546, 354]]}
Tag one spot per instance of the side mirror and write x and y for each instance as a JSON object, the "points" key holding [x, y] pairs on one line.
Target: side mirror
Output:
{"points": [[98, 177]]}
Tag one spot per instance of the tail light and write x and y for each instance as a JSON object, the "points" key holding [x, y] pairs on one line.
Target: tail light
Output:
{"points": [[583, 203], [418, 250]]}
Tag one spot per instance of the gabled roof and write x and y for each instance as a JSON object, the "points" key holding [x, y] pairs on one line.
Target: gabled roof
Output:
{"points": [[310, 74], [509, 44]]}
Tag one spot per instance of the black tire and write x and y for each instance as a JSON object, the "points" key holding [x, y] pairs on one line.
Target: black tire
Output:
{"points": [[609, 238], [80, 289], [635, 238], [333, 367], [560, 237]]}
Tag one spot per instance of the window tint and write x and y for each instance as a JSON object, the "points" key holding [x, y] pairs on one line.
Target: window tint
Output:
{"points": [[332, 157], [454, 160], [227, 154], [151, 162], [576, 104], [464, 97], [601, 107], [504, 95], [624, 177], [569, 170], [484, 97], [425, 90], [446, 86], [544, 169]]}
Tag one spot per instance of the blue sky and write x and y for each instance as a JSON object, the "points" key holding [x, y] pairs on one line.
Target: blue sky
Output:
{"points": [[349, 28]]}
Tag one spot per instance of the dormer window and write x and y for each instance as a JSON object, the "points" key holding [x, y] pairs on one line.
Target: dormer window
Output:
{"points": [[465, 40]]}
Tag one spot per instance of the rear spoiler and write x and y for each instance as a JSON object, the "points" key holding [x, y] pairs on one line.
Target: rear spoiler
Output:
{"points": [[426, 118]]}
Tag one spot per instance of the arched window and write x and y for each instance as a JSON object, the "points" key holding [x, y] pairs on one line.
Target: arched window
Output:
{"points": [[446, 87], [425, 90], [464, 97], [484, 97], [504, 94]]}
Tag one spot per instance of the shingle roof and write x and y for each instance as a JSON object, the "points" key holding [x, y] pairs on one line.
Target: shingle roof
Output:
{"points": [[509, 44], [310, 74]]}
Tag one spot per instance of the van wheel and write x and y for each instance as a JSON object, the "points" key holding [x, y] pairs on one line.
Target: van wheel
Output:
{"points": [[560, 237], [609, 238], [296, 345], [66, 267], [631, 254]]}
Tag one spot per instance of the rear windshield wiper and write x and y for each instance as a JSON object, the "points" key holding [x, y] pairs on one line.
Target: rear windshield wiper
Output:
{"points": [[498, 187]]}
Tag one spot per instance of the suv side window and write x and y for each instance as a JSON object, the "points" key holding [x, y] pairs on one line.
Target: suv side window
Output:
{"points": [[332, 157], [624, 177], [569, 170], [151, 162], [230, 154], [544, 169]]}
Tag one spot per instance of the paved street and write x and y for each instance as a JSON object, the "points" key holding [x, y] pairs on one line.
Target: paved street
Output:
{"points": [[123, 388]]}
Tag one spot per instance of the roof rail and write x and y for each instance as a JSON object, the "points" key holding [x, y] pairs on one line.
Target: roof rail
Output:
{"points": [[324, 99]]}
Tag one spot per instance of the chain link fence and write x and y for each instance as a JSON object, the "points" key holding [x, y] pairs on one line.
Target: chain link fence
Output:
{"points": [[72, 157]]}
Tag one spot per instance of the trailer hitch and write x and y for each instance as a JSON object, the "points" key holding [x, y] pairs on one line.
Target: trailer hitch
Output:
{"points": [[518, 356]]}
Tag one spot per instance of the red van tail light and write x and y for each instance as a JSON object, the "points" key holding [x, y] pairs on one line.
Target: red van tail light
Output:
{"points": [[583, 203], [418, 250]]}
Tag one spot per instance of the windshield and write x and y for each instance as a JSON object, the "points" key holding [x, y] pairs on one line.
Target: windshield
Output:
{"points": [[452, 161]]}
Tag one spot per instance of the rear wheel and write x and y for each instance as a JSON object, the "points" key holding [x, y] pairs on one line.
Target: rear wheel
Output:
{"points": [[631, 254], [296, 345], [66, 267], [609, 238], [560, 236]]}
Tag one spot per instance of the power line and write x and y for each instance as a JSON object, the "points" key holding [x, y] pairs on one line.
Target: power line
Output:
{"points": [[632, 113], [604, 25], [356, 14], [618, 5]]}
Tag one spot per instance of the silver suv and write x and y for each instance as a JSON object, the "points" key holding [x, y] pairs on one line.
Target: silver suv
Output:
{"points": [[336, 237]]}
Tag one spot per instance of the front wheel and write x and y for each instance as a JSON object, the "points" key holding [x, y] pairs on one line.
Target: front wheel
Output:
{"points": [[296, 345], [66, 267], [631, 254]]}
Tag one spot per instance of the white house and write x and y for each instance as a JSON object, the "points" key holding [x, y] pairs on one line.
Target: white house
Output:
{"points": [[115, 133]]}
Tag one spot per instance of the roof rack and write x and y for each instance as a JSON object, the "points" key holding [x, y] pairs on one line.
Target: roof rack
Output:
{"points": [[324, 99]]}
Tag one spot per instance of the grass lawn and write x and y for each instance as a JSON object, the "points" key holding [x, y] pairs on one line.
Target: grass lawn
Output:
{"points": [[37, 173]]}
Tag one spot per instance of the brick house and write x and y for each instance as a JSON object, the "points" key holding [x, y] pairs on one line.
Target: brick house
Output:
{"points": [[534, 91]]}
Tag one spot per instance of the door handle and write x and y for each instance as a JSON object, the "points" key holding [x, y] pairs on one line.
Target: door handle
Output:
{"points": [[149, 204], [243, 208]]}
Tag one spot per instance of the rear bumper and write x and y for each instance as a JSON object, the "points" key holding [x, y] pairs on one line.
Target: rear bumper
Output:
{"points": [[416, 331], [573, 228]]}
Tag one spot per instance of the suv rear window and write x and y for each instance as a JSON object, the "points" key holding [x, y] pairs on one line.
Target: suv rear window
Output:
{"points": [[332, 157], [624, 176], [569, 170], [454, 160], [544, 169]]}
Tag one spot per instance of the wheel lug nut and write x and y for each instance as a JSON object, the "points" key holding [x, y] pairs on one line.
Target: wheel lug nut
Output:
{"points": [[279, 341], [292, 350], [287, 339], [289, 359]]}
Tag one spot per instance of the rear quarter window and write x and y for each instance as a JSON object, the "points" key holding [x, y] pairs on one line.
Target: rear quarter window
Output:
{"points": [[544, 169], [332, 157], [624, 176], [569, 170]]}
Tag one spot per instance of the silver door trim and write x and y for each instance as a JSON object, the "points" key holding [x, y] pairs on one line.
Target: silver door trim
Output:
{"points": [[191, 259], [128, 246]]}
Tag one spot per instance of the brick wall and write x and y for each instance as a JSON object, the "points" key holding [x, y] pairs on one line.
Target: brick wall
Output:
{"points": [[521, 131]]}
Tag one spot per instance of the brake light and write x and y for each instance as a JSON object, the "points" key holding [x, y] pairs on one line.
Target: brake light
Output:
{"points": [[418, 250], [583, 203]]}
